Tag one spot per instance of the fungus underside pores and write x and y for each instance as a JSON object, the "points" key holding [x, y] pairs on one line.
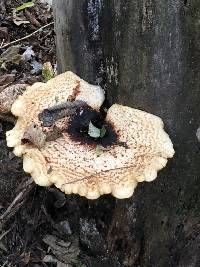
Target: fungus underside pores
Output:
{"points": [[67, 141]]}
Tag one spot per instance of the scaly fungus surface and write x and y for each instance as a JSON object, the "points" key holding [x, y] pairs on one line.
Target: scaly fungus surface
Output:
{"points": [[65, 140]]}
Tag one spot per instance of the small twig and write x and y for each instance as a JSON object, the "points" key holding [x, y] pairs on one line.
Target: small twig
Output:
{"points": [[2, 42], [28, 36], [4, 265], [17, 203], [4, 234]]}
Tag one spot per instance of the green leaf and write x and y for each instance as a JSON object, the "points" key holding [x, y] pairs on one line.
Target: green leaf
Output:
{"points": [[99, 150], [16, 59], [102, 132], [93, 131], [25, 5], [47, 71]]}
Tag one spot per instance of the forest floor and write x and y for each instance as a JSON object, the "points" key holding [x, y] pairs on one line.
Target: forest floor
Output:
{"points": [[40, 226]]}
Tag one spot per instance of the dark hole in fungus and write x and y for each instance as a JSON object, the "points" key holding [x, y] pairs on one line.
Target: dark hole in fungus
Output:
{"points": [[25, 141], [79, 125]]}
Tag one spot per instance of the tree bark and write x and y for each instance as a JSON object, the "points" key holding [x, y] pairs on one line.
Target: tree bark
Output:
{"points": [[146, 54]]}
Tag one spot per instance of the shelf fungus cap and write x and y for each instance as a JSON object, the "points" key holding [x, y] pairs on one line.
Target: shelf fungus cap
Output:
{"points": [[132, 148]]}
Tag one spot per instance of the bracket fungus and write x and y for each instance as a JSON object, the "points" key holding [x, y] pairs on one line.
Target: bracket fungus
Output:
{"points": [[61, 129]]}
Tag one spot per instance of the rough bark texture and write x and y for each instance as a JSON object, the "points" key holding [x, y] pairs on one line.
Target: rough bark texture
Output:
{"points": [[146, 54]]}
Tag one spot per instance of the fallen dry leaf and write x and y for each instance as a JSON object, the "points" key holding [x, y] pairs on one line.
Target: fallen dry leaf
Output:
{"points": [[11, 55], [2, 9], [4, 34], [9, 95], [50, 258], [37, 67], [5, 80], [25, 257], [35, 135], [66, 252], [28, 54]]}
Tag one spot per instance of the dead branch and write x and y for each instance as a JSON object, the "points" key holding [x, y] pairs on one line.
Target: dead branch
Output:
{"points": [[17, 203], [28, 36]]}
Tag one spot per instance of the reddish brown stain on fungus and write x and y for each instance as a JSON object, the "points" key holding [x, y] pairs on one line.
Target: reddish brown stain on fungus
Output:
{"points": [[75, 93]]}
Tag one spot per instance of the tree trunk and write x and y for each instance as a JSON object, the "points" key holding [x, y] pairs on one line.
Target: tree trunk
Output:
{"points": [[146, 54]]}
